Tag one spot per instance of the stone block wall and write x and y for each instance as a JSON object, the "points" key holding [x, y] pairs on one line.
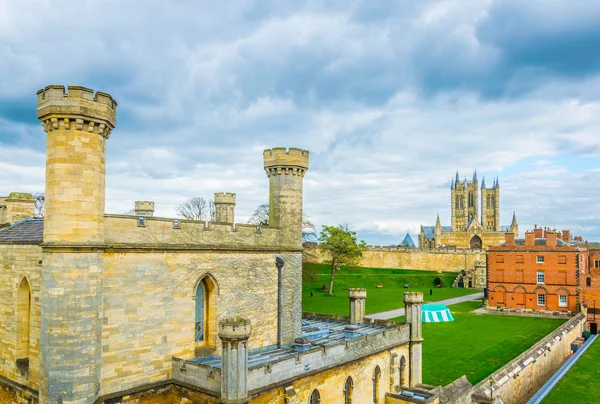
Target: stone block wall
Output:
{"points": [[149, 306], [16, 263], [407, 258]]}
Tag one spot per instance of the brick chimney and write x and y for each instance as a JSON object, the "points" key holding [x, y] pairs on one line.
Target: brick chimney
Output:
{"points": [[551, 237], [530, 238], [509, 239], [578, 238], [566, 236], [538, 232]]}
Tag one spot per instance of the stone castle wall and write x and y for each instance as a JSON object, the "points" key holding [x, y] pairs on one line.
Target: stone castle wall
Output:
{"points": [[18, 262], [519, 379], [407, 258]]}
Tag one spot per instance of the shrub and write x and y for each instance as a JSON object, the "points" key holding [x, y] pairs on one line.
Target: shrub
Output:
{"points": [[437, 281]]}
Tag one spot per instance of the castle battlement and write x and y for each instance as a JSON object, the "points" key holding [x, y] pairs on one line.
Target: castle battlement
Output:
{"points": [[280, 157], [79, 108], [225, 197]]}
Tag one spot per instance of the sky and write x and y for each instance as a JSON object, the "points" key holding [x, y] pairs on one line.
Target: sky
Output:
{"points": [[391, 98]]}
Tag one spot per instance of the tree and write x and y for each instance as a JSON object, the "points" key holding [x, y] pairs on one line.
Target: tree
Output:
{"points": [[38, 207], [342, 246], [261, 216], [197, 208]]}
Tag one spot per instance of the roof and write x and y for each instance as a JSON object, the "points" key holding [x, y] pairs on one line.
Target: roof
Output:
{"points": [[408, 241], [318, 332], [430, 230], [28, 231], [541, 242]]}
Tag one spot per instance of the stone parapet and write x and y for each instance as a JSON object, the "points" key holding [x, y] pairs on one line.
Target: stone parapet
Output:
{"points": [[144, 208], [234, 329], [357, 293], [80, 107], [279, 160], [224, 198]]}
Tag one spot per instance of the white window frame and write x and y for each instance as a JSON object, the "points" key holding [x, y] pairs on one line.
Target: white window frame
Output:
{"points": [[539, 259], [541, 297], [560, 301], [541, 275]]}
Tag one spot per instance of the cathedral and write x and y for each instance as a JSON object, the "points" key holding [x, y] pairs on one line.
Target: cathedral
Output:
{"points": [[469, 229]]}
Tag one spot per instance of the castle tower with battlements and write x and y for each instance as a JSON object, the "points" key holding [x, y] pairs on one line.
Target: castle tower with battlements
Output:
{"points": [[77, 123]]}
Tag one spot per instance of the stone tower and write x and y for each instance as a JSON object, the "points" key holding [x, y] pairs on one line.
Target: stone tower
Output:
{"points": [[490, 206], [144, 208], [413, 302], [464, 197], [286, 169], [224, 207], [77, 123]]}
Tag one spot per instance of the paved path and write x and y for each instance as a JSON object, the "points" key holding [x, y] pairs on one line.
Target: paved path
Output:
{"points": [[400, 312]]}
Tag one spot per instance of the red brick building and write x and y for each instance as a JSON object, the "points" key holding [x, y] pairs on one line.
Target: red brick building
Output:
{"points": [[539, 272], [590, 287]]}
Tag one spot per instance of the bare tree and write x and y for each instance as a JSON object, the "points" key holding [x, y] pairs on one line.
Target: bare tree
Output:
{"points": [[38, 208], [261, 216], [197, 208]]}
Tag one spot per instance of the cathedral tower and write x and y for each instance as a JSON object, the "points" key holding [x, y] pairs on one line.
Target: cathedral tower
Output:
{"points": [[490, 206], [464, 197], [77, 123]]}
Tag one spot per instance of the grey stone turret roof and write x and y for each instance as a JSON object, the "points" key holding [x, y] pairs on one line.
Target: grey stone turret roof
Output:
{"points": [[28, 231]]}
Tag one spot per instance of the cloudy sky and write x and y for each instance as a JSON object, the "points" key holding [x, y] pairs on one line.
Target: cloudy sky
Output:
{"points": [[390, 97]]}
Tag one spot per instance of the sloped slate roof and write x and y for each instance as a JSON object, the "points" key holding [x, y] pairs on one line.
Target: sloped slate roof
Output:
{"points": [[430, 230], [540, 242], [408, 241], [30, 231]]}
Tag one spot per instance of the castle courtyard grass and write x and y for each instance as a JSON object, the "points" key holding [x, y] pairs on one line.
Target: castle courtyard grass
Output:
{"points": [[580, 384], [387, 298], [476, 345]]}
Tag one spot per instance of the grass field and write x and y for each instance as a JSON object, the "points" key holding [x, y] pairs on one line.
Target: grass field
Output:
{"points": [[580, 385], [378, 300], [476, 345]]}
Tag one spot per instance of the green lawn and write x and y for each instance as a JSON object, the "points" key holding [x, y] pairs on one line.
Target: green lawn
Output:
{"points": [[580, 385], [476, 345], [378, 300]]}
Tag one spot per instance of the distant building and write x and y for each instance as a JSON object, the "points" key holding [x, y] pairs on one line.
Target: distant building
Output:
{"points": [[408, 241], [590, 287], [469, 229], [539, 272]]}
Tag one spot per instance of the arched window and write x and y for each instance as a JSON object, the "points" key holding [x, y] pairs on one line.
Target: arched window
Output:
{"points": [[348, 389], [23, 326], [315, 397], [376, 379], [200, 311], [402, 369]]}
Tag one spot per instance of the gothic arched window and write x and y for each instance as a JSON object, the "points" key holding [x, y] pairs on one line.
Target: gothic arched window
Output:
{"points": [[348, 389], [200, 312], [315, 397], [23, 325], [376, 379], [402, 369]]}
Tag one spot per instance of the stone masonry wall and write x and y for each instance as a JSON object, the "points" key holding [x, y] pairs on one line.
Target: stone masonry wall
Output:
{"points": [[407, 258], [330, 383], [149, 306], [16, 262], [518, 380]]}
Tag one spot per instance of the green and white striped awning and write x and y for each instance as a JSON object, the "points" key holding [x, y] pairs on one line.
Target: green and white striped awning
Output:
{"points": [[435, 313]]}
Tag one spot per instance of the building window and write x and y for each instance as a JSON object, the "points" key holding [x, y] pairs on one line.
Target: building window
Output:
{"points": [[200, 311], [376, 378], [348, 389], [401, 369], [540, 277], [588, 281], [519, 259], [539, 259], [499, 258], [562, 300], [597, 264], [562, 259], [315, 397], [23, 326], [541, 299]]}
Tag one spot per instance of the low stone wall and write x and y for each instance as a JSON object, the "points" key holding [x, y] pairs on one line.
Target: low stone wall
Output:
{"points": [[526, 312], [518, 380], [451, 260]]}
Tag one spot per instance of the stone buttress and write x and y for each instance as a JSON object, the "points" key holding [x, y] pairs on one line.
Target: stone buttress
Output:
{"points": [[412, 303], [77, 123]]}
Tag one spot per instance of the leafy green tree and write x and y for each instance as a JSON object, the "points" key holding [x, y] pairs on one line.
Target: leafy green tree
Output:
{"points": [[342, 246]]}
